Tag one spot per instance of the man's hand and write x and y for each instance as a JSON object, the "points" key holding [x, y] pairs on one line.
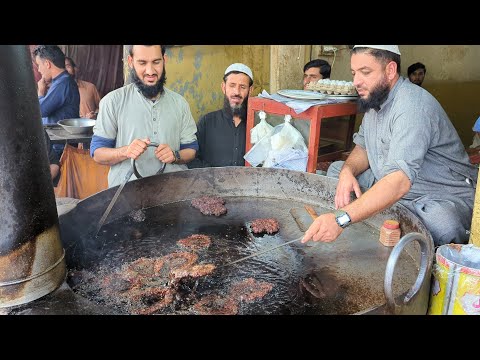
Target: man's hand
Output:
{"points": [[346, 184], [90, 115], [165, 154], [42, 87], [324, 228], [137, 148]]}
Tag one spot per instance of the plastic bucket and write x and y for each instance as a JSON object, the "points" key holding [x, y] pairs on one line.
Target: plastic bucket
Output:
{"points": [[456, 281]]}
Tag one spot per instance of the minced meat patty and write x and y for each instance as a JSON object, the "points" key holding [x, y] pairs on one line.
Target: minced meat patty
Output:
{"points": [[250, 289], [210, 205], [261, 226], [195, 242], [193, 271], [165, 264]]}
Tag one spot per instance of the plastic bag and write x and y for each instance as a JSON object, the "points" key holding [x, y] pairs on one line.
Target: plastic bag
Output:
{"points": [[258, 153], [287, 148], [261, 129], [288, 158]]}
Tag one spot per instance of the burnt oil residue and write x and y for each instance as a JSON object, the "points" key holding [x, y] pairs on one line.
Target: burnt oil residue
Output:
{"points": [[319, 278]]}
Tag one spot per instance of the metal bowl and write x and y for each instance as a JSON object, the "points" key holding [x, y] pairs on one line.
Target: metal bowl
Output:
{"points": [[77, 126]]}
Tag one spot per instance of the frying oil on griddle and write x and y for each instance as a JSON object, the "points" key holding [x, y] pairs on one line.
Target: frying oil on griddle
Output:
{"points": [[154, 233], [343, 277]]}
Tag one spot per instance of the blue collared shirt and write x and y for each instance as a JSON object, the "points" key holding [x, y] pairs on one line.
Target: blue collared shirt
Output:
{"points": [[62, 100]]}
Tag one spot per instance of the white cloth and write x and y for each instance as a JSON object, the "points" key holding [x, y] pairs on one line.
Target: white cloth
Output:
{"points": [[298, 106]]}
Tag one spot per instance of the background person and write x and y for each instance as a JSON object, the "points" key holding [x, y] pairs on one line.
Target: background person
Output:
{"points": [[58, 93], [315, 70], [89, 95], [221, 134], [416, 73]]}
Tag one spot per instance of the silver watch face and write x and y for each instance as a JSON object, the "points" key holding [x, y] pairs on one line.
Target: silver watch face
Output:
{"points": [[343, 219]]}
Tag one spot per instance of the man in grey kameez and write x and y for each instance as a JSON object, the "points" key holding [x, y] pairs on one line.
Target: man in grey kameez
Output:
{"points": [[407, 150], [132, 117]]}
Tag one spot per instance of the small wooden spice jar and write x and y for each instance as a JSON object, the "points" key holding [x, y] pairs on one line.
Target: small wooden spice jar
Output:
{"points": [[390, 232]]}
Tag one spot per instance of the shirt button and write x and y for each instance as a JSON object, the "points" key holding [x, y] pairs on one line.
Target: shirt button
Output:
{"points": [[154, 119], [155, 132]]}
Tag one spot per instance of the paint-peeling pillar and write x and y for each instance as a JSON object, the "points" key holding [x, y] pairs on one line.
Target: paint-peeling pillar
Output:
{"points": [[475, 231], [126, 79], [286, 66]]}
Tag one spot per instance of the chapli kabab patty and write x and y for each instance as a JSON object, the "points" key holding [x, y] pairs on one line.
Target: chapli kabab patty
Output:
{"points": [[210, 205], [262, 226], [195, 242]]}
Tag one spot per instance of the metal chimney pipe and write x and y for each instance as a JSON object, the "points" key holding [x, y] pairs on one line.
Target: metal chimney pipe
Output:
{"points": [[32, 260]]}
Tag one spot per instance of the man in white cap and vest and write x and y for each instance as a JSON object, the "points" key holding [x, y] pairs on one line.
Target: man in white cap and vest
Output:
{"points": [[406, 151], [221, 134]]}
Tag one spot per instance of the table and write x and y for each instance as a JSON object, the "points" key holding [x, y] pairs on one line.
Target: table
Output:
{"points": [[311, 131], [59, 135]]}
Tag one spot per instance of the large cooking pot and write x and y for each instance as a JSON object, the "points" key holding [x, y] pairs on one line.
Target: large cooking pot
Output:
{"points": [[356, 274]]}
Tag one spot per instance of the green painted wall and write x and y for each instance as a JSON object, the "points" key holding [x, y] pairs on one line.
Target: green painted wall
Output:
{"points": [[196, 72]]}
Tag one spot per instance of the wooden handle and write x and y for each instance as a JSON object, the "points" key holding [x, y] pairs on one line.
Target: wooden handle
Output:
{"points": [[311, 211]]}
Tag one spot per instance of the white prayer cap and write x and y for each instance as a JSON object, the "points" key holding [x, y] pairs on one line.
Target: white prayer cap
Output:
{"points": [[241, 68], [392, 48]]}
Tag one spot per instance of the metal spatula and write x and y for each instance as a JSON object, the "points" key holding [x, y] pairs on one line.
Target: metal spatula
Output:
{"points": [[132, 170], [263, 252], [113, 201]]}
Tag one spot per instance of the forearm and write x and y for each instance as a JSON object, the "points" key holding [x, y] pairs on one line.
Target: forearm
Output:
{"points": [[380, 196], [357, 161], [110, 156], [186, 155]]}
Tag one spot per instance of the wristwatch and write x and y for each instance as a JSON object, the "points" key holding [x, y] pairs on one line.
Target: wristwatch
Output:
{"points": [[342, 218], [176, 153]]}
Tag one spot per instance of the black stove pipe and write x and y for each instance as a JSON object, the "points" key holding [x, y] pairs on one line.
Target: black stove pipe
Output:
{"points": [[31, 254]]}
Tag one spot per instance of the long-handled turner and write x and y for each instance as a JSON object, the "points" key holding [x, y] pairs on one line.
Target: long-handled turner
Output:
{"points": [[132, 170]]}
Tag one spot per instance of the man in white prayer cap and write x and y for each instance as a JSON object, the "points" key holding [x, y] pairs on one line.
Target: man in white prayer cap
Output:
{"points": [[406, 151], [221, 134]]}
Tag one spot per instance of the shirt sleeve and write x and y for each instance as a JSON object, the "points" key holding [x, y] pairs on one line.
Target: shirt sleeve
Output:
{"points": [[99, 142], [106, 125], [53, 99], [201, 133], [189, 128], [359, 138], [192, 145], [412, 134]]}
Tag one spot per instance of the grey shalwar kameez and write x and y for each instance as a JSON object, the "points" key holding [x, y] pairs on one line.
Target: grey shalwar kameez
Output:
{"points": [[411, 132]]}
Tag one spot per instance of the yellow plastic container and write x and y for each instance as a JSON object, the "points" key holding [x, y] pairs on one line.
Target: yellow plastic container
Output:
{"points": [[456, 281]]}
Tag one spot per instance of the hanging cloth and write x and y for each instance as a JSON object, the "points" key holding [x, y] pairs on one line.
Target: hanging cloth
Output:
{"points": [[80, 175]]}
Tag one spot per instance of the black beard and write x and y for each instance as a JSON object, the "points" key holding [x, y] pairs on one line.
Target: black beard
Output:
{"points": [[239, 110], [377, 97], [149, 91]]}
